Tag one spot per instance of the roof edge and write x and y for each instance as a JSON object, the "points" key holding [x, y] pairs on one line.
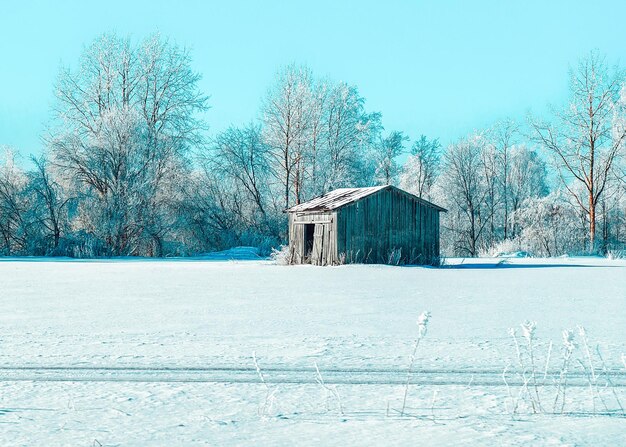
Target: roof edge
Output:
{"points": [[376, 191], [419, 199]]}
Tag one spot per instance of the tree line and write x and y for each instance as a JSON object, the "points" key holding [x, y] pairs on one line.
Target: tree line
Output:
{"points": [[130, 169]]}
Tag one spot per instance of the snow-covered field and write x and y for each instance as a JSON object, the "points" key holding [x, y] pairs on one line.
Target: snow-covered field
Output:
{"points": [[137, 352]]}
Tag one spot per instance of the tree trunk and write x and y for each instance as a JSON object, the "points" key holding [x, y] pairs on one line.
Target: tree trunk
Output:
{"points": [[472, 232], [605, 229], [592, 223], [287, 189], [505, 194], [296, 184]]}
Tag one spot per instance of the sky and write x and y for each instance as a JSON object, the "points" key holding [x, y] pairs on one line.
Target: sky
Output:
{"points": [[439, 68]]}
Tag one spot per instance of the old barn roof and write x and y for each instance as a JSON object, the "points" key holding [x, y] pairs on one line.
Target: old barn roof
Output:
{"points": [[344, 196]]}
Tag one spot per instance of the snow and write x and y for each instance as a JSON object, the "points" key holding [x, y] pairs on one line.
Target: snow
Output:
{"points": [[233, 254], [160, 352]]}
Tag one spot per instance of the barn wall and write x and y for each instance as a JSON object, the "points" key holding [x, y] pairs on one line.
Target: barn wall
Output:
{"points": [[327, 228], [389, 226]]}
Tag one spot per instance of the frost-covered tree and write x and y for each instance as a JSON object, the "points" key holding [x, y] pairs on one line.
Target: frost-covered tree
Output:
{"points": [[422, 167], [316, 171], [125, 122], [387, 150], [49, 208], [241, 156], [526, 174], [209, 211], [491, 174], [319, 135], [287, 119], [314, 136], [612, 222], [472, 187], [345, 124], [550, 226], [13, 205], [366, 165], [584, 138], [128, 170], [112, 178], [463, 191], [503, 136], [33, 209]]}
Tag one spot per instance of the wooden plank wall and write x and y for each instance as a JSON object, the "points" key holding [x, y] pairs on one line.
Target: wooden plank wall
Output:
{"points": [[326, 223], [388, 227]]}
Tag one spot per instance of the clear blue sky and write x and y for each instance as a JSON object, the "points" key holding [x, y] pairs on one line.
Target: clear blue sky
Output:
{"points": [[441, 68]]}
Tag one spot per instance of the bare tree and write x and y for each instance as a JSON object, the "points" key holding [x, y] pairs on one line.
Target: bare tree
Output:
{"points": [[344, 118], [316, 136], [241, 155], [465, 190], [549, 225], [49, 203], [526, 174], [503, 136], [584, 141], [387, 150], [13, 205], [491, 171], [286, 115], [421, 167], [124, 124]]}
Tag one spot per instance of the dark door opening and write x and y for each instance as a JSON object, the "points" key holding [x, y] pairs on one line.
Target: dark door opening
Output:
{"points": [[309, 234]]}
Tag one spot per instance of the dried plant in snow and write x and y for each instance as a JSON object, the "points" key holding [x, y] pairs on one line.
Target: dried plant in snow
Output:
{"points": [[528, 333], [328, 390], [609, 381], [422, 328], [270, 393], [568, 345], [532, 386], [592, 379]]}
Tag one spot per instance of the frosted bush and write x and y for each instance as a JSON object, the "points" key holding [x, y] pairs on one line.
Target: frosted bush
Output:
{"points": [[501, 248], [549, 226], [282, 255], [616, 254]]}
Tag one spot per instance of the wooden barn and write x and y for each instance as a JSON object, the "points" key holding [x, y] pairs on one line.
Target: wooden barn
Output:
{"points": [[379, 225]]}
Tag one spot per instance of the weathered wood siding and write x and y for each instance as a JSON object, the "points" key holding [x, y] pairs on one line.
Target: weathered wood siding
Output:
{"points": [[325, 238], [389, 226]]}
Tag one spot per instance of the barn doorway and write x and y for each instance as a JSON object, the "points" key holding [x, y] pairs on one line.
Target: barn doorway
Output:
{"points": [[309, 236], [317, 255]]}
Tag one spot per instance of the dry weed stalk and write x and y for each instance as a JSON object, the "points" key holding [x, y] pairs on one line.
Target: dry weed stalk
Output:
{"points": [[422, 327]]}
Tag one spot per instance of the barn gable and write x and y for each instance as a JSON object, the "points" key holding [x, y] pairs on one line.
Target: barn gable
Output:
{"points": [[344, 196]]}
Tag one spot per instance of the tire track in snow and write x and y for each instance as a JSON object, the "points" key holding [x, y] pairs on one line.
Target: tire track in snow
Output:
{"points": [[278, 374]]}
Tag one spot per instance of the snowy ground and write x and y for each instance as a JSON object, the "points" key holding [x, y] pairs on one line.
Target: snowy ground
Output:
{"points": [[135, 352]]}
